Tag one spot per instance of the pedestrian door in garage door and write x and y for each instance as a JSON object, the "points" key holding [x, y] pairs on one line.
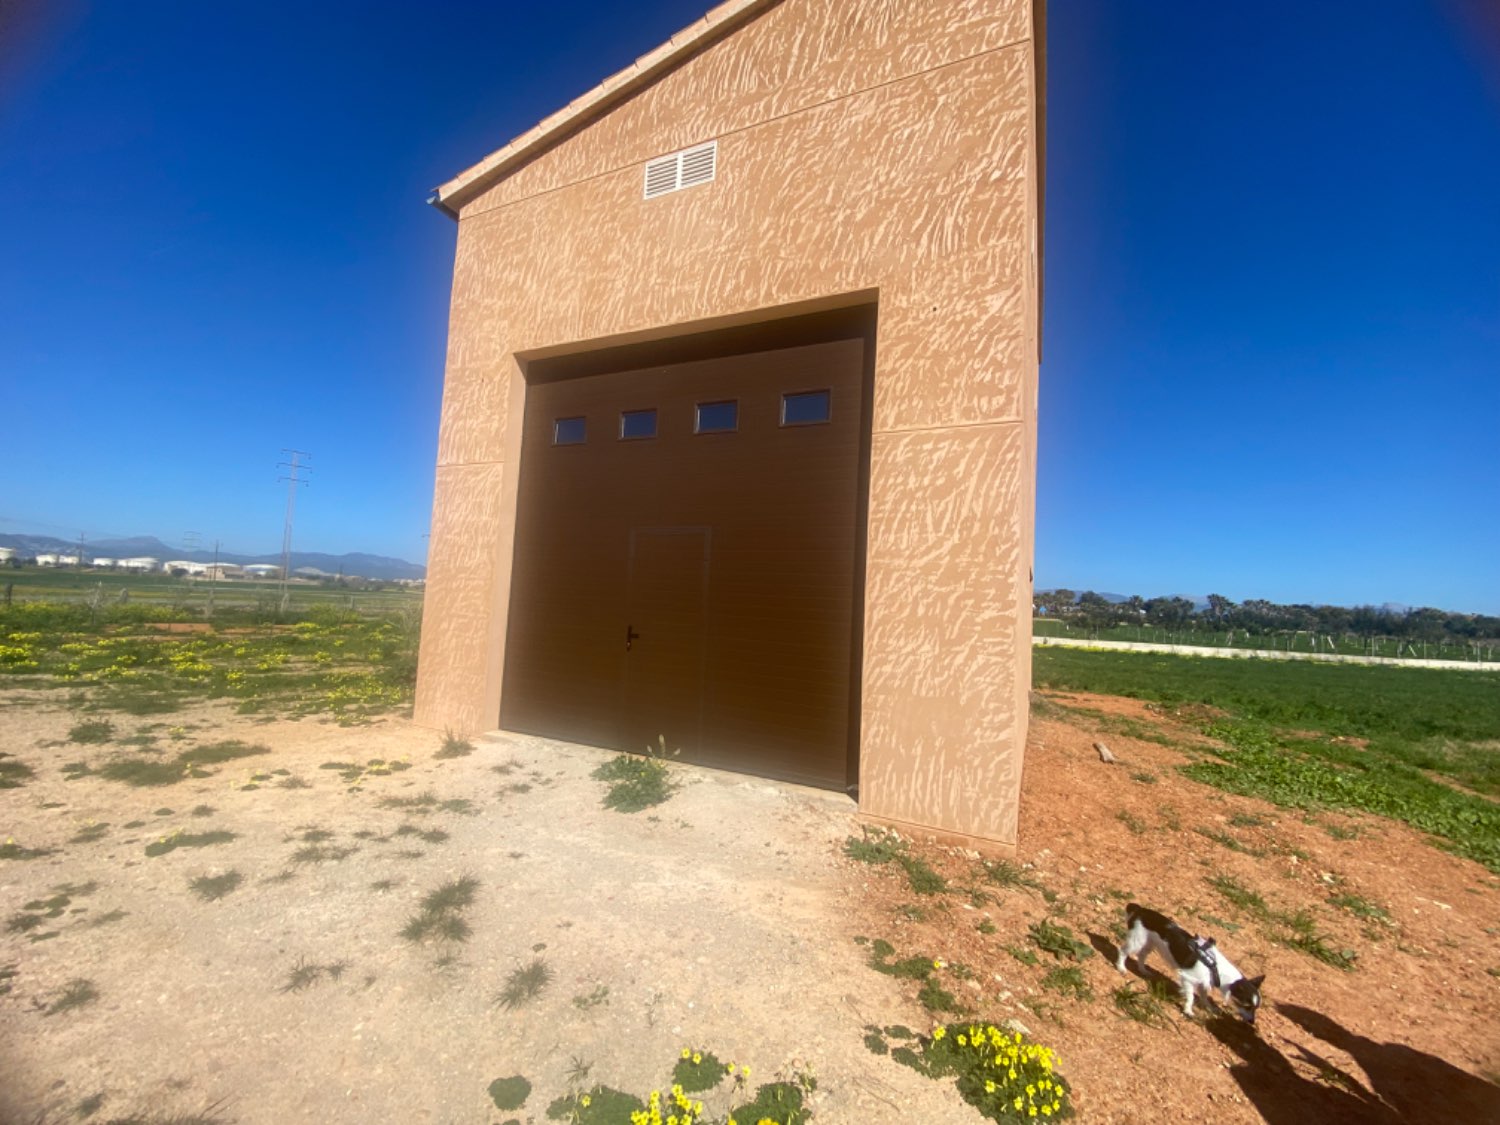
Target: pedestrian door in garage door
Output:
{"points": [[689, 551]]}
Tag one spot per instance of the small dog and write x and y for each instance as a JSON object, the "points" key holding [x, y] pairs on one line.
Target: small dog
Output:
{"points": [[1199, 965]]}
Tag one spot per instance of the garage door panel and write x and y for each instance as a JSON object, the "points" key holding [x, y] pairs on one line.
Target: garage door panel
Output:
{"points": [[744, 655]]}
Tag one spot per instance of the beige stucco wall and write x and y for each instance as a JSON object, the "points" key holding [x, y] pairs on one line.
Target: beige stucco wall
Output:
{"points": [[885, 146]]}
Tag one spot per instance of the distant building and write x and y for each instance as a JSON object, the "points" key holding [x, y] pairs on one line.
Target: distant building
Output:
{"points": [[310, 572], [103, 563], [224, 570], [262, 570], [56, 560], [143, 563], [6, 554], [186, 566]]}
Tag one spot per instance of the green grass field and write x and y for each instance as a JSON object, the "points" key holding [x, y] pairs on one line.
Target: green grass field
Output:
{"points": [[1345, 645], [1415, 744]]}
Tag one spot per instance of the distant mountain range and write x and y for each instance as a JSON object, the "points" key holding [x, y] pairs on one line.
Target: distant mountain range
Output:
{"points": [[366, 566]]}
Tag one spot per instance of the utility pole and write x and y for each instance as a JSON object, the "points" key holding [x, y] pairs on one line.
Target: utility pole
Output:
{"points": [[292, 481], [213, 578]]}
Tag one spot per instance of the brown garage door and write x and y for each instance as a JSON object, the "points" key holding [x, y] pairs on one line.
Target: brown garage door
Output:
{"points": [[689, 557]]}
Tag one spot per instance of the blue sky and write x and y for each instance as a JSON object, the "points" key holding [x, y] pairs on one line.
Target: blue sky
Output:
{"points": [[1272, 339]]}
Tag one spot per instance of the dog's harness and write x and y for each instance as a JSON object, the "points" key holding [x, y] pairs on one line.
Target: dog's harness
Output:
{"points": [[1205, 948]]}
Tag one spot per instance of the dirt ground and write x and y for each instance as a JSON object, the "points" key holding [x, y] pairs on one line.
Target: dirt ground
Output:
{"points": [[724, 919]]}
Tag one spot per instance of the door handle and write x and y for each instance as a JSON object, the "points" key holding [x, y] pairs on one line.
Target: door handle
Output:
{"points": [[630, 635]]}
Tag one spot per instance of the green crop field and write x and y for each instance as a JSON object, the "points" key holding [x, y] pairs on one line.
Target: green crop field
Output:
{"points": [[1415, 744]]}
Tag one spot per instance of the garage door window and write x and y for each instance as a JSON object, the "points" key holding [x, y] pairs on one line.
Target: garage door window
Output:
{"points": [[717, 418], [806, 408], [569, 431], [637, 424]]}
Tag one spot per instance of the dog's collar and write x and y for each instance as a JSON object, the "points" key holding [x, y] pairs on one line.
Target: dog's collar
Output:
{"points": [[1205, 948]]}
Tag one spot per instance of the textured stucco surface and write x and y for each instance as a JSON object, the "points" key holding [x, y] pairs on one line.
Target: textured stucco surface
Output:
{"points": [[878, 146]]}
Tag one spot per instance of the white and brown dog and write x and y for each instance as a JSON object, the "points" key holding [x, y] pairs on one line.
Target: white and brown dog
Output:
{"points": [[1199, 965]]}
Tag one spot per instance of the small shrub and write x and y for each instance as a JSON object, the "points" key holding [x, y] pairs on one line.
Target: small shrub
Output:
{"points": [[635, 783], [524, 984], [1132, 822], [454, 746], [211, 888], [998, 1072], [697, 1071], [92, 732], [77, 993], [1362, 907], [1142, 1007], [1058, 940], [1070, 982], [509, 1093]]}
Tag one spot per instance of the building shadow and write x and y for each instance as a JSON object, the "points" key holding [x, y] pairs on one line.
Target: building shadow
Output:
{"points": [[1418, 1086]]}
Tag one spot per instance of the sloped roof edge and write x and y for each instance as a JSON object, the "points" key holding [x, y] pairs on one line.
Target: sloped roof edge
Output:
{"points": [[718, 23]]}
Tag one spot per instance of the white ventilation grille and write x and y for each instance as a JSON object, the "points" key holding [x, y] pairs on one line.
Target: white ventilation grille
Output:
{"points": [[685, 169]]}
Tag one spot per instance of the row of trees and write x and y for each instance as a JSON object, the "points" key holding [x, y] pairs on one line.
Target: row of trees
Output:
{"points": [[1258, 616]]}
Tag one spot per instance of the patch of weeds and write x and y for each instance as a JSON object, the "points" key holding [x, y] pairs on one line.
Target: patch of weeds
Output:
{"points": [[293, 783], [1069, 981], [505, 769], [461, 806], [1004, 873], [382, 885], [636, 782], [601, 1105], [7, 974], [286, 875], [1342, 832], [92, 732], [697, 1071], [1224, 839], [12, 850], [1169, 818], [1246, 820], [73, 771], [1141, 1006], [215, 753], [181, 839], [211, 888], [426, 835], [880, 847], [1131, 821], [1058, 940], [1301, 933], [323, 853], [1240, 895], [986, 927], [21, 922], [14, 772], [935, 998], [89, 1106], [922, 878], [775, 1101], [994, 1067], [77, 993], [509, 1093], [912, 912], [90, 833], [304, 974], [876, 847], [586, 1000], [1144, 777], [142, 772], [524, 984], [454, 746], [164, 812], [1023, 955], [1362, 907], [441, 914]]}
